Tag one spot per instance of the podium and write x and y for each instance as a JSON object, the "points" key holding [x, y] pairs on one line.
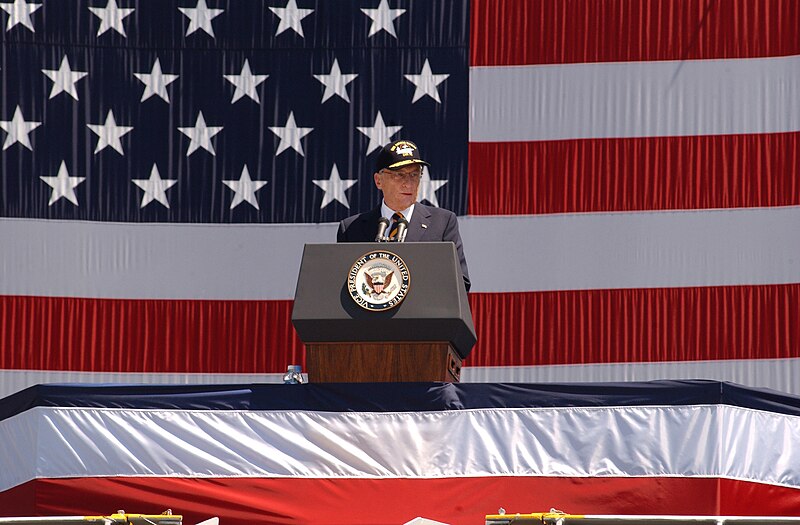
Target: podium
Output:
{"points": [[424, 337]]}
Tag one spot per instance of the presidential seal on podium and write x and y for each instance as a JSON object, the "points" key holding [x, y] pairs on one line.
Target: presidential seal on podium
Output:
{"points": [[378, 281]]}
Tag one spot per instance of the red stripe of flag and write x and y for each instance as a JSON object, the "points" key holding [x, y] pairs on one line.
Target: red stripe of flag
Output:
{"points": [[661, 173], [515, 32], [562, 327], [636, 325], [171, 336]]}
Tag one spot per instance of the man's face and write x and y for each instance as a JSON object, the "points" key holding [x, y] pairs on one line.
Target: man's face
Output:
{"points": [[399, 186]]}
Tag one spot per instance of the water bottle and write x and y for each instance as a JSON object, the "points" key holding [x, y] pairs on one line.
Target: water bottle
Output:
{"points": [[293, 375]]}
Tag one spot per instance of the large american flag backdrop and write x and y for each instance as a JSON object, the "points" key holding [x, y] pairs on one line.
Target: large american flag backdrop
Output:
{"points": [[626, 175]]}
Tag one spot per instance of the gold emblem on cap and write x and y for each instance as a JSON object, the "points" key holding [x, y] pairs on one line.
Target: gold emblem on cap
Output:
{"points": [[404, 148]]}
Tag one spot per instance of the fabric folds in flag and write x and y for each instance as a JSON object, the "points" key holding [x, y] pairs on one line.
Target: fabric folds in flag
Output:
{"points": [[625, 176]]}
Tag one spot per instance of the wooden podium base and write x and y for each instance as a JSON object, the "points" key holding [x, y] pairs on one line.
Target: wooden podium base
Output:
{"points": [[382, 362]]}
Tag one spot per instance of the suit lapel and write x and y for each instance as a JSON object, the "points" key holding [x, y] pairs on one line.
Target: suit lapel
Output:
{"points": [[369, 224], [420, 220]]}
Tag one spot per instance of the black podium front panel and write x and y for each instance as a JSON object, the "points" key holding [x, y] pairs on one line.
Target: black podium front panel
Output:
{"points": [[435, 307]]}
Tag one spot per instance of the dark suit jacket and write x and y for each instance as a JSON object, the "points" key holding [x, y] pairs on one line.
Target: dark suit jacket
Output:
{"points": [[440, 225]]}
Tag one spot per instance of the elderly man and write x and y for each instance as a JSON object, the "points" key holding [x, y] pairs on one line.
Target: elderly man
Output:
{"points": [[398, 170]]}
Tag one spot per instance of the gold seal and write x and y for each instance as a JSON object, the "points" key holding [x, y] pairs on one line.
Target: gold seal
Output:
{"points": [[378, 280]]}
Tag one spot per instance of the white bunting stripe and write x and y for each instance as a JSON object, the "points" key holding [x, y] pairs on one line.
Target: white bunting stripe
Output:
{"points": [[579, 442]]}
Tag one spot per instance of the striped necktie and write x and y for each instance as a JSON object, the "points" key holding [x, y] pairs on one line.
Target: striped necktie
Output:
{"points": [[395, 223]]}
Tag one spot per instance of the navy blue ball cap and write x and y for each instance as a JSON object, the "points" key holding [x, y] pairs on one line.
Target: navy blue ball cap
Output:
{"points": [[398, 154]]}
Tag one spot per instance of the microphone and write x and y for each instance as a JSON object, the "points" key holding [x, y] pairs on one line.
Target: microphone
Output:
{"points": [[383, 223], [402, 227]]}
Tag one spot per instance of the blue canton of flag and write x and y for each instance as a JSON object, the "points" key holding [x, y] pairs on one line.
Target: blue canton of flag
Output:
{"points": [[226, 111]]}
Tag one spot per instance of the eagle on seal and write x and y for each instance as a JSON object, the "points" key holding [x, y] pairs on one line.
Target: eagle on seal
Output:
{"points": [[377, 284]]}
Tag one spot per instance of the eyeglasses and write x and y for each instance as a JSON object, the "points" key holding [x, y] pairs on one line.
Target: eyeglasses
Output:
{"points": [[403, 176]]}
